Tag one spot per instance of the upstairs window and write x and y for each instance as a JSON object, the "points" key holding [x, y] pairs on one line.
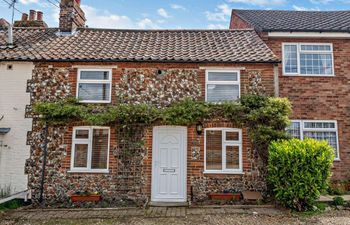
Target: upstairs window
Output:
{"points": [[222, 85], [94, 86], [90, 149], [223, 150], [319, 130], [308, 59]]}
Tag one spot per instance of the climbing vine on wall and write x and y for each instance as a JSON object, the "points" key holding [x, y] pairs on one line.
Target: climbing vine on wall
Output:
{"points": [[265, 117]]}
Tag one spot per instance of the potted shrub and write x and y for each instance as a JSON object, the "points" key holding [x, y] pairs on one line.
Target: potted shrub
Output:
{"points": [[85, 197]]}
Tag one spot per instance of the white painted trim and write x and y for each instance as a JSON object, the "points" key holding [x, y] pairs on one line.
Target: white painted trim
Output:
{"points": [[99, 67], [19, 195], [302, 129], [109, 81], [238, 82], [223, 153], [299, 51], [309, 34], [89, 143], [154, 178], [220, 68]]}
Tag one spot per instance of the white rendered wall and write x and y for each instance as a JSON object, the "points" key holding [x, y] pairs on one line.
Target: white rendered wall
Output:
{"points": [[13, 100]]}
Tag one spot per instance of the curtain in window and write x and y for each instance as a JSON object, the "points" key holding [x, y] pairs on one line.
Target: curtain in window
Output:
{"points": [[99, 149]]}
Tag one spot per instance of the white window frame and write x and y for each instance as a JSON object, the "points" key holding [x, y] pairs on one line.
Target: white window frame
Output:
{"points": [[207, 82], [335, 129], [89, 155], [299, 51], [223, 153], [83, 81]]}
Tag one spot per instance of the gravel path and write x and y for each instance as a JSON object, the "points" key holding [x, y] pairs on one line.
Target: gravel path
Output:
{"points": [[341, 217]]}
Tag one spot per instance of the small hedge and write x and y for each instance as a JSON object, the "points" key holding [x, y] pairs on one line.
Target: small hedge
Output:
{"points": [[299, 171]]}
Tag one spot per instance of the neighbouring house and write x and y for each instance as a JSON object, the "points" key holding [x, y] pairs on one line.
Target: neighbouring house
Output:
{"points": [[106, 66], [314, 74], [14, 126], [3, 23]]}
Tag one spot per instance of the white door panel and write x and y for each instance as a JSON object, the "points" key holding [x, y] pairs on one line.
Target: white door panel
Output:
{"points": [[169, 164]]}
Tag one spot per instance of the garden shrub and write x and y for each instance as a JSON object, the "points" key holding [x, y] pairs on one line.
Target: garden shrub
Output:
{"points": [[338, 201], [299, 171]]}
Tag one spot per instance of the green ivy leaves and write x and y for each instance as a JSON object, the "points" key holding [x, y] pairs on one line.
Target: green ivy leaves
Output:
{"points": [[265, 117]]}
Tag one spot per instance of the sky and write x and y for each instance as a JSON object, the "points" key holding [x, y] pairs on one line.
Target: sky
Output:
{"points": [[164, 14]]}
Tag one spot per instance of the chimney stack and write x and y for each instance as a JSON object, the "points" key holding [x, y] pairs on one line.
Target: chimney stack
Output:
{"points": [[24, 17], [39, 16], [35, 20], [71, 16], [32, 15]]}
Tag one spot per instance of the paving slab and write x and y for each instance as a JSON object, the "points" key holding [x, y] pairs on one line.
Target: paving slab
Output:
{"points": [[151, 212], [329, 198]]}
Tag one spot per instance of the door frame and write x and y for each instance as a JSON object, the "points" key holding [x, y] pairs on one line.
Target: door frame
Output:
{"points": [[153, 172]]}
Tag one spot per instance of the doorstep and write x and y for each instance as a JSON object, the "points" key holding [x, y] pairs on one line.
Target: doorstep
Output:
{"points": [[168, 204]]}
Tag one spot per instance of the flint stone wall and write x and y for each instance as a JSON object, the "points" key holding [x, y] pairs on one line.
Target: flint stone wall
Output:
{"points": [[128, 180]]}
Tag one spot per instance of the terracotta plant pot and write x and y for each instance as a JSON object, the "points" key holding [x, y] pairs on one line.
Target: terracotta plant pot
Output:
{"points": [[225, 196], [85, 198]]}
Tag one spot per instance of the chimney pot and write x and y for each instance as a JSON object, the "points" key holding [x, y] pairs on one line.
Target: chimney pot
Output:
{"points": [[24, 17], [39, 16], [32, 15]]}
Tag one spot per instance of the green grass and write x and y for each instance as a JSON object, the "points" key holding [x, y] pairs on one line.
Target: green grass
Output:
{"points": [[319, 209], [13, 204]]}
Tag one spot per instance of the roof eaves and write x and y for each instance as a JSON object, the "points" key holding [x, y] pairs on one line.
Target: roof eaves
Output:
{"points": [[149, 61]]}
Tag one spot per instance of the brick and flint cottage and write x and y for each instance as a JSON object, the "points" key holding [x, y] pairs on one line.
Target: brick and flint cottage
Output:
{"points": [[160, 67], [102, 66], [314, 74]]}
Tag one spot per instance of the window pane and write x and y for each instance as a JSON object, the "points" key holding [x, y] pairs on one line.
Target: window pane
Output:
{"points": [[222, 76], [290, 59], [82, 134], [330, 137], [294, 130], [214, 150], [94, 75], [80, 155], [318, 64], [232, 136], [315, 47], [319, 125], [232, 157], [99, 149], [222, 92], [96, 92]]}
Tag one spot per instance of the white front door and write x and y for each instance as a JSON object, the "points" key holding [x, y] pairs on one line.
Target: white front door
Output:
{"points": [[169, 164]]}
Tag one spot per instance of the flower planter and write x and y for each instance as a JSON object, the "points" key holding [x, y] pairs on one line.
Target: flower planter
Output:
{"points": [[85, 198], [225, 196]]}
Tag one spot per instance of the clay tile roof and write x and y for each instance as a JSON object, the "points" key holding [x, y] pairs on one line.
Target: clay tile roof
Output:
{"points": [[40, 44], [304, 21]]}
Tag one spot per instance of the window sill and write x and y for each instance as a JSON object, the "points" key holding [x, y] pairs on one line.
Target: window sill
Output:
{"points": [[224, 172], [96, 102], [88, 171], [307, 75]]}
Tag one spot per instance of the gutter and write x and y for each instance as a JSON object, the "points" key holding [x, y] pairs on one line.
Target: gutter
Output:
{"points": [[138, 61]]}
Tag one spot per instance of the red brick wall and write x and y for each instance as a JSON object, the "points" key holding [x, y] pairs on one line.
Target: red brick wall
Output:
{"points": [[322, 98], [237, 23]]}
